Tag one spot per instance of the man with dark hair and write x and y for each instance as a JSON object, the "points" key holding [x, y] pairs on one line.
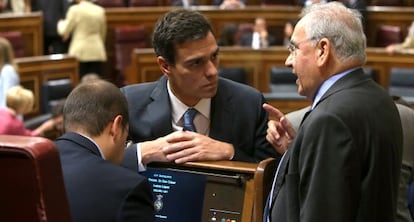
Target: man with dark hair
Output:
{"points": [[229, 121], [96, 125]]}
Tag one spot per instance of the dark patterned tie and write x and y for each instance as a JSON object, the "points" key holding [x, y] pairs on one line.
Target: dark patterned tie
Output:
{"points": [[188, 120]]}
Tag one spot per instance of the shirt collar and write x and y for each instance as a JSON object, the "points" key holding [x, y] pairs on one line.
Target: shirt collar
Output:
{"points": [[97, 146], [178, 108], [328, 83]]}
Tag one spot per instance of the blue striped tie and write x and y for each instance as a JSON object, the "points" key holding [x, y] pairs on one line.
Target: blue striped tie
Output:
{"points": [[188, 120]]}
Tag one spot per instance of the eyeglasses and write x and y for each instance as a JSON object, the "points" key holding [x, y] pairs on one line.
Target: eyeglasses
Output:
{"points": [[292, 46]]}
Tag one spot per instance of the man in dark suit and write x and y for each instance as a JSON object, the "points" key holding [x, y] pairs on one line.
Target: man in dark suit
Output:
{"points": [[343, 163], [96, 125], [230, 123], [52, 11]]}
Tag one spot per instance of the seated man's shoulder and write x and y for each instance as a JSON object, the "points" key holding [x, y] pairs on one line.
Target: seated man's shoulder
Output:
{"points": [[238, 89], [138, 87]]}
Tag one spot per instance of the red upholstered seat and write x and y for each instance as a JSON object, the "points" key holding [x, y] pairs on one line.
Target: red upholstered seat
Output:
{"points": [[279, 2], [243, 29], [387, 35], [127, 38], [110, 3], [133, 3], [31, 187], [16, 40], [387, 2]]}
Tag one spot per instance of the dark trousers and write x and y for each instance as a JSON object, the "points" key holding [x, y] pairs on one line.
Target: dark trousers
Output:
{"points": [[90, 67], [54, 45]]}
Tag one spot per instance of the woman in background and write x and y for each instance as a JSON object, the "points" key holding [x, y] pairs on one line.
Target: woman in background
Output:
{"points": [[86, 23], [8, 74], [19, 102]]}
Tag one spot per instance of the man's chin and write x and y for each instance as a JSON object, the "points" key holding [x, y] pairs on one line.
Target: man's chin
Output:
{"points": [[209, 93]]}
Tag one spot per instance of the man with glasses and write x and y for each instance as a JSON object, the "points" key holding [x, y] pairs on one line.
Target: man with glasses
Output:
{"points": [[343, 162]]}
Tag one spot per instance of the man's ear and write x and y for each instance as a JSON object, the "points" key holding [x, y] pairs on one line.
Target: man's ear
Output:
{"points": [[164, 66], [323, 50], [116, 126]]}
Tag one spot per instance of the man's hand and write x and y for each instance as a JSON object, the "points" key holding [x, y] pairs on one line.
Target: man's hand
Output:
{"points": [[185, 146], [152, 151], [280, 131]]}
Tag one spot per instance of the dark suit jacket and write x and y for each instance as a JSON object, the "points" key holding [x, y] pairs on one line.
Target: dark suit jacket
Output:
{"points": [[247, 38], [52, 12], [344, 163], [99, 190], [237, 117]]}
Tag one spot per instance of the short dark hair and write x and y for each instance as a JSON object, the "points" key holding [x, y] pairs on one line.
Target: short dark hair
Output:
{"points": [[176, 27], [92, 106]]}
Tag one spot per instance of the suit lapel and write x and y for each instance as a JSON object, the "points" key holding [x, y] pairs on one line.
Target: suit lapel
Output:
{"points": [[280, 177], [348, 81], [304, 116], [221, 118], [159, 110]]}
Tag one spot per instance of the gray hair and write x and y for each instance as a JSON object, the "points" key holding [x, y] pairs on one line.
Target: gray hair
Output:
{"points": [[341, 25]]}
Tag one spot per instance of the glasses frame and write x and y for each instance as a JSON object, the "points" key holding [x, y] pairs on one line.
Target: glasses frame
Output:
{"points": [[292, 46]]}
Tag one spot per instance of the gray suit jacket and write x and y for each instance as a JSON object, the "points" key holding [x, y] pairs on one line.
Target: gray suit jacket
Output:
{"points": [[345, 161], [237, 117], [407, 171]]}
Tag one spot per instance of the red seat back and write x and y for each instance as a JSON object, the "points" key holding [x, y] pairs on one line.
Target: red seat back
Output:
{"points": [[138, 3], [16, 40], [243, 29], [127, 38], [387, 2], [387, 35], [110, 3], [31, 187]]}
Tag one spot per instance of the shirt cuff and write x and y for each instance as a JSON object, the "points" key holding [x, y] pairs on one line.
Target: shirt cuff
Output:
{"points": [[141, 166]]}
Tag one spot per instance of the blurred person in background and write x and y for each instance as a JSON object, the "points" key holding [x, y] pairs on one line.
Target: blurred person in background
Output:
{"points": [[232, 4], [20, 101], [86, 23], [52, 12], [8, 71], [260, 37], [407, 44]]}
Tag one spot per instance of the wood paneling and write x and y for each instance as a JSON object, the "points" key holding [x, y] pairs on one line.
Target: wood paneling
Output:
{"points": [[36, 70], [31, 27], [258, 64], [276, 16]]}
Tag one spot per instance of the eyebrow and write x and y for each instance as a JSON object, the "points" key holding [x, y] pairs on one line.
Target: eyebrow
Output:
{"points": [[292, 42], [191, 60]]}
